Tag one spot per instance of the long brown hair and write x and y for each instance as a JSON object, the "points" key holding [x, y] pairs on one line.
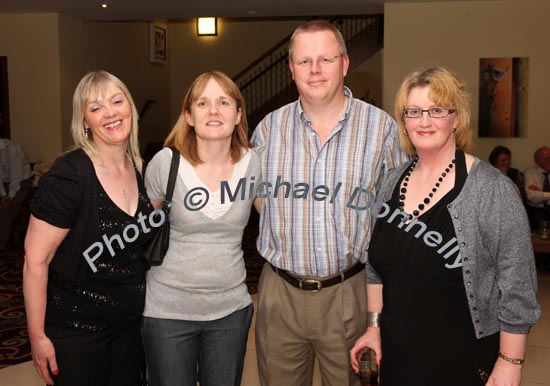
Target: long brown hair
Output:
{"points": [[183, 136]]}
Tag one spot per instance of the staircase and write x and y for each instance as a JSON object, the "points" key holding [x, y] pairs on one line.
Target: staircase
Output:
{"points": [[267, 83]]}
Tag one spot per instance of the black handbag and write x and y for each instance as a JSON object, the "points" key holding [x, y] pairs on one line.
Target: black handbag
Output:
{"points": [[153, 253]]}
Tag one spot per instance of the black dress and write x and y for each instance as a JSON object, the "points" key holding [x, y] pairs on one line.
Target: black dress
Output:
{"points": [[427, 333]]}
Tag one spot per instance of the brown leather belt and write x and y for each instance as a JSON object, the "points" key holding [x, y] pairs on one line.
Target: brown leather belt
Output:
{"points": [[313, 285]]}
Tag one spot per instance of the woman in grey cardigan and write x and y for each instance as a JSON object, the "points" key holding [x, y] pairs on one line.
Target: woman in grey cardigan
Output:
{"points": [[451, 276], [198, 310]]}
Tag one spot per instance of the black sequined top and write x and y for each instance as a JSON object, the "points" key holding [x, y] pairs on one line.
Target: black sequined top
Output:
{"points": [[111, 291]]}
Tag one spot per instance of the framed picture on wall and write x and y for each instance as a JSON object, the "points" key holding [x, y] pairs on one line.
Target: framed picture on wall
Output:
{"points": [[4, 96], [503, 95], [158, 43]]}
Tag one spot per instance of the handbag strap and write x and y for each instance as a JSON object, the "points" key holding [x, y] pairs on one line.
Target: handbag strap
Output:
{"points": [[172, 176]]}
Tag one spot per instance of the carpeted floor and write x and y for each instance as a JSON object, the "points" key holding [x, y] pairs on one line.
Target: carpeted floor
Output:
{"points": [[14, 342]]}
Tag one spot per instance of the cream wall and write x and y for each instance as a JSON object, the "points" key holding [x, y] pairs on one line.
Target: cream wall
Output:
{"points": [[238, 44], [458, 34], [121, 48], [47, 56], [367, 78], [30, 41], [49, 53]]}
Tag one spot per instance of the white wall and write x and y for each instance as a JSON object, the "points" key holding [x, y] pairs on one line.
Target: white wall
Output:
{"points": [[457, 35]]}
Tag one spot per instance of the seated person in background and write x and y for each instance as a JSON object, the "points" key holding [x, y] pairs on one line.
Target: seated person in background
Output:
{"points": [[15, 186], [537, 188], [501, 158]]}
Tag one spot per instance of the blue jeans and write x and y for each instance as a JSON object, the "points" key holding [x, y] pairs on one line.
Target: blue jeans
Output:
{"points": [[178, 352]]}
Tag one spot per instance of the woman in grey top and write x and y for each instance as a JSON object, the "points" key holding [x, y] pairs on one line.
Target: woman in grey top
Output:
{"points": [[451, 274], [198, 310]]}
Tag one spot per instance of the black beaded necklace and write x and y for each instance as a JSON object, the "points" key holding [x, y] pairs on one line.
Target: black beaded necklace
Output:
{"points": [[426, 201]]}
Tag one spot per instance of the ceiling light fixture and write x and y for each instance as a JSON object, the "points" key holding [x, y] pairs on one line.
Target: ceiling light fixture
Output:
{"points": [[104, 5], [207, 26]]}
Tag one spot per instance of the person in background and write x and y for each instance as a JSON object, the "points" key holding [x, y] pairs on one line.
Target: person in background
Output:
{"points": [[198, 310], [323, 157], [15, 186], [84, 276], [451, 276], [501, 158], [537, 187]]}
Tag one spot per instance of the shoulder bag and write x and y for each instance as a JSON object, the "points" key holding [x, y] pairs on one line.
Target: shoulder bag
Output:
{"points": [[154, 253]]}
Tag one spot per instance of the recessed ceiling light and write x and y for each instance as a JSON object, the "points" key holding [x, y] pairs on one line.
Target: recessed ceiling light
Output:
{"points": [[104, 5]]}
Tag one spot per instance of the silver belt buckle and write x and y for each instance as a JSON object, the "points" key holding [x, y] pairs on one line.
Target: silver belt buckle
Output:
{"points": [[318, 282]]}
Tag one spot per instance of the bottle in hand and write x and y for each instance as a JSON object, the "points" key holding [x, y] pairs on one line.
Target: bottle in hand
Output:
{"points": [[368, 367]]}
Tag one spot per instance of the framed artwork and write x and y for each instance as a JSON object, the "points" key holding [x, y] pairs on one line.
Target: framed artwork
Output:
{"points": [[158, 43], [4, 99], [503, 95]]}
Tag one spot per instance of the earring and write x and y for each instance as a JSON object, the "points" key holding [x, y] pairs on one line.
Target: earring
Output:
{"points": [[88, 133], [405, 132]]}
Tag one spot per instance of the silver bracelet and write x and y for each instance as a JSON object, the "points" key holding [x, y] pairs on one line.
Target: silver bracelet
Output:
{"points": [[373, 319]]}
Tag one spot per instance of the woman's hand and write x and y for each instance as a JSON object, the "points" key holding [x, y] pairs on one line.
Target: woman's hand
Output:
{"points": [[40, 246], [505, 374], [370, 339], [43, 357]]}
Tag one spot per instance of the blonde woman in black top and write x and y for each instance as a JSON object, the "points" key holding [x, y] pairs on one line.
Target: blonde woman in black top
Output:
{"points": [[83, 277]]}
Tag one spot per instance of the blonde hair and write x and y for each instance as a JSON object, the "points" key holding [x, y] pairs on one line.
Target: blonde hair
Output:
{"points": [[183, 136], [318, 26], [447, 90], [98, 81]]}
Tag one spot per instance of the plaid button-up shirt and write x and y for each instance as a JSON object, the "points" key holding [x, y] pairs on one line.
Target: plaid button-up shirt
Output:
{"points": [[316, 217]]}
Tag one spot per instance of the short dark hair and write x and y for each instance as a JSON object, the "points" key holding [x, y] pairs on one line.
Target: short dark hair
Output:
{"points": [[498, 150]]}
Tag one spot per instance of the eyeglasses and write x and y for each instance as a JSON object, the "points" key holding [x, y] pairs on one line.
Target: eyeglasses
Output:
{"points": [[322, 61], [434, 112]]}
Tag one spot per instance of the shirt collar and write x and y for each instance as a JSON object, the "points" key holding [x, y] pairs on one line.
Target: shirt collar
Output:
{"points": [[300, 113], [540, 170]]}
